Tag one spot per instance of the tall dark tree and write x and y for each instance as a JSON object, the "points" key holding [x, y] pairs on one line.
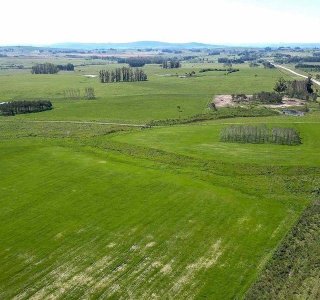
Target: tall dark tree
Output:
{"points": [[280, 86]]}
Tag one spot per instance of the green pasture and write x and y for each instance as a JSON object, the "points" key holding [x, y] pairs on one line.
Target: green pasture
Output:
{"points": [[80, 221], [111, 211], [134, 102], [202, 140]]}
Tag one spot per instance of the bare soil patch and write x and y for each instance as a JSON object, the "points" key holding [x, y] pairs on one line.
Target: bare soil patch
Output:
{"points": [[227, 101], [223, 101], [287, 102]]}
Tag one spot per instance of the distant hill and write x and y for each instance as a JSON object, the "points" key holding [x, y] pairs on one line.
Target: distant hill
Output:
{"points": [[134, 45], [277, 45]]}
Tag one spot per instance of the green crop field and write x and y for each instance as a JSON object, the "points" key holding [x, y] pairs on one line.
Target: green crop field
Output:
{"points": [[91, 210]]}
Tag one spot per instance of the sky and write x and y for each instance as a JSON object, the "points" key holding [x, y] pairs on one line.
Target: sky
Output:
{"points": [[223, 22]]}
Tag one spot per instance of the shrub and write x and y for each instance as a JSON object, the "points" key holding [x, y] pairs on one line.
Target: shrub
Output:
{"points": [[267, 98]]}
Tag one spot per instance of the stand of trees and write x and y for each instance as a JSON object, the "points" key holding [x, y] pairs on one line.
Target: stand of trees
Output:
{"points": [[49, 68], [288, 59], [46, 68], [138, 62], [224, 60], [309, 67], [268, 65], [260, 135], [89, 93], [67, 67], [124, 74], [171, 64], [72, 93], [228, 70], [301, 89], [23, 107], [240, 98], [267, 98]]}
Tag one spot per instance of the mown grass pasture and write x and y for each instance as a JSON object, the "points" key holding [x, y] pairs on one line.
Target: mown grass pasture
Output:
{"points": [[95, 207], [134, 102]]}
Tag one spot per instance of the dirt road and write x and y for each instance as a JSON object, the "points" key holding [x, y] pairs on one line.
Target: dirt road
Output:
{"points": [[295, 73]]}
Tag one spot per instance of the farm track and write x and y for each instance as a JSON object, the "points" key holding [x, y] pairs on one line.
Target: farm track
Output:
{"points": [[296, 73], [84, 122]]}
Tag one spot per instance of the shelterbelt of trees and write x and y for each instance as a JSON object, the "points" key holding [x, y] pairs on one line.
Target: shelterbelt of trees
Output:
{"points": [[165, 62], [309, 67], [171, 64], [25, 106], [260, 135], [124, 74], [301, 89], [49, 68], [137, 62]]}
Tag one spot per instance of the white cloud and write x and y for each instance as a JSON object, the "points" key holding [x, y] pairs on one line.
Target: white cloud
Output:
{"points": [[215, 21]]}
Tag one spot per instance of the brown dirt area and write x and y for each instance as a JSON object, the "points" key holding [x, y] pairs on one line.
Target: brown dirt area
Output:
{"points": [[226, 101]]}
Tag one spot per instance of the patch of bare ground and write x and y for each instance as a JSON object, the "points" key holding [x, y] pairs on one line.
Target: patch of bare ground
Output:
{"points": [[228, 101], [223, 101], [287, 102]]}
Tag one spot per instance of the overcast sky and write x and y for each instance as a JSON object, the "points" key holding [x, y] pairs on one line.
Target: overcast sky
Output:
{"points": [[208, 21]]}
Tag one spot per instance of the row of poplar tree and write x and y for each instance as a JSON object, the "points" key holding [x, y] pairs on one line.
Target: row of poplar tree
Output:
{"points": [[260, 135], [49, 68], [124, 74], [171, 64]]}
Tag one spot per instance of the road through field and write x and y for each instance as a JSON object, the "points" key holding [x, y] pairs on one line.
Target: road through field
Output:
{"points": [[295, 73]]}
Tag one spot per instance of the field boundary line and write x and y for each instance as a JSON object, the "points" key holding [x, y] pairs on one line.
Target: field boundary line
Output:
{"points": [[80, 122]]}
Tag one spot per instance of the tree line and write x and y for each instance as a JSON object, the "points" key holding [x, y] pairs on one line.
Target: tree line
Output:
{"points": [[67, 67], [288, 59], [229, 70], [25, 106], [223, 60], [49, 68], [267, 65], [310, 67], [267, 98], [259, 135], [124, 74], [171, 64], [301, 89], [138, 62]]}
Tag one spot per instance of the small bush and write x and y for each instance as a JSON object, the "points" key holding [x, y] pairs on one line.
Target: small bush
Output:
{"points": [[267, 98]]}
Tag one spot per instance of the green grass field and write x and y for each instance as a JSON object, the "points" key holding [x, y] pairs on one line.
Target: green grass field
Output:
{"points": [[201, 140], [135, 102], [116, 212]]}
